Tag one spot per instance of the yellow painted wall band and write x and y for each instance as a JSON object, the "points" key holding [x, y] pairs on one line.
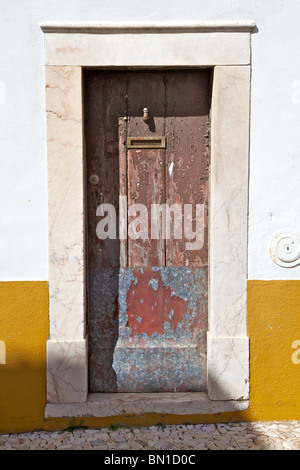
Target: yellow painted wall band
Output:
{"points": [[273, 329]]}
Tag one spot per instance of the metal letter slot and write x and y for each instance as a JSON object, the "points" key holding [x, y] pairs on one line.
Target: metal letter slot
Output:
{"points": [[146, 142]]}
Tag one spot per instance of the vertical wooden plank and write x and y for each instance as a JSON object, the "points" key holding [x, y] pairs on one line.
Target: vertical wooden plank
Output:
{"points": [[187, 156], [123, 187], [146, 179], [163, 309], [105, 103]]}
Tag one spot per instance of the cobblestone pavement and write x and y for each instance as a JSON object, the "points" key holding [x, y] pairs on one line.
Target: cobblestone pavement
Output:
{"points": [[220, 436]]}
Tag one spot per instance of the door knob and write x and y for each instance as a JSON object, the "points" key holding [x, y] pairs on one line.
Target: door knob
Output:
{"points": [[93, 180]]}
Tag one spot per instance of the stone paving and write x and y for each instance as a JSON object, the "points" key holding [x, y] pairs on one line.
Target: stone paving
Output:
{"points": [[220, 436]]}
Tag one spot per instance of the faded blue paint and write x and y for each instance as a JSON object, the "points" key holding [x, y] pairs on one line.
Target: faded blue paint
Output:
{"points": [[154, 284], [175, 359]]}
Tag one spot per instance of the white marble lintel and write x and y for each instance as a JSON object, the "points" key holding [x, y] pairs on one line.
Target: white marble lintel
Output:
{"points": [[147, 47]]}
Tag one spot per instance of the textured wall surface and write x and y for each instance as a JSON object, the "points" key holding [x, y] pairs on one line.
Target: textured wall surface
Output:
{"points": [[275, 101], [274, 204], [273, 326]]}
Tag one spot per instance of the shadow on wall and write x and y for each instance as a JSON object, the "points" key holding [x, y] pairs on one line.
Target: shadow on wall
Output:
{"points": [[273, 327], [22, 404]]}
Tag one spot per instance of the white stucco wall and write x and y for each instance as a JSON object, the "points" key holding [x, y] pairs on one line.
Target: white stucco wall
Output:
{"points": [[275, 117]]}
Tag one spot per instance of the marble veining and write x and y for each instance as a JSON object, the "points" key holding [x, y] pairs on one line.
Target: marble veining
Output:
{"points": [[228, 345]]}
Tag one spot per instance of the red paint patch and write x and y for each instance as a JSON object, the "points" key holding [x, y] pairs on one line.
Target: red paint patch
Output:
{"points": [[150, 304], [68, 50]]}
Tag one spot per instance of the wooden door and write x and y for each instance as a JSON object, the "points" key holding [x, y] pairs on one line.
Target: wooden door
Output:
{"points": [[147, 135]]}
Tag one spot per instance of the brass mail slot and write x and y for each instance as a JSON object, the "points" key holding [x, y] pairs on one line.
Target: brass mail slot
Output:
{"points": [[146, 142]]}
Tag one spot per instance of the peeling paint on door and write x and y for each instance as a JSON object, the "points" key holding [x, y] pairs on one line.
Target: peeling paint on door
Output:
{"points": [[162, 325], [147, 297]]}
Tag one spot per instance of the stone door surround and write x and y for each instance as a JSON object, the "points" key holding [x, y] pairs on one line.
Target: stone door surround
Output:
{"points": [[225, 48]]}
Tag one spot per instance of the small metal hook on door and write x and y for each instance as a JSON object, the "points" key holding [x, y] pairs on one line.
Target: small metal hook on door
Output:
{"points": [[145, 114]]}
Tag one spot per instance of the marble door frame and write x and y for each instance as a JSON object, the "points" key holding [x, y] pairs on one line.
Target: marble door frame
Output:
{"points": [[224, 47]]}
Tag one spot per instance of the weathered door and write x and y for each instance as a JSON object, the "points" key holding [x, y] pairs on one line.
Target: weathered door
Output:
{"points": [[147, 155]]}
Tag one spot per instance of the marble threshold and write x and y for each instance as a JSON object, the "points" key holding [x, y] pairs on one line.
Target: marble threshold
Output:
{"points": [[118, 404]]}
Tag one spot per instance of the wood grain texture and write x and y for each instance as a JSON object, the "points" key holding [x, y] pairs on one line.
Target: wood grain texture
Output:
{"points": [[147, 295]]}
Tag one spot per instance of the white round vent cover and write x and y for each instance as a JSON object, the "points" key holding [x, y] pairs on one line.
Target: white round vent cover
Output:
{"points": [[285, 249]]}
